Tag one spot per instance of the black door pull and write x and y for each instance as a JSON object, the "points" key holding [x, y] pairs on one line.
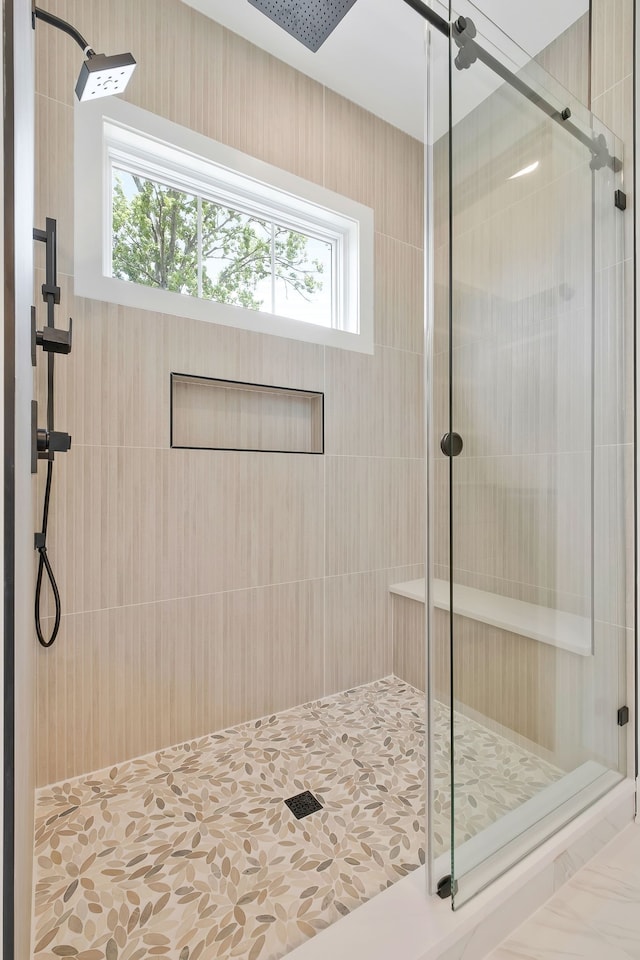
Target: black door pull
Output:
{"points": [[451, 444]]}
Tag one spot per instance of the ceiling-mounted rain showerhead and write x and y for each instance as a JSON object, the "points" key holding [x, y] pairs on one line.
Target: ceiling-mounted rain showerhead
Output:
{"points": [[309, 21], [100, 76]]}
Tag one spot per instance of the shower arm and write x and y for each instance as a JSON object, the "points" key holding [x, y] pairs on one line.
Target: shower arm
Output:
{"points": [[53, 21]]}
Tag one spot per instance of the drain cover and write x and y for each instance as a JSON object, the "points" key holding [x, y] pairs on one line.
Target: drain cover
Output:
{"points": [[303, 804]]}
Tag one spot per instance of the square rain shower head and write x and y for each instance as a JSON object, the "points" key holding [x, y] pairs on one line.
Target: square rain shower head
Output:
{"points": [[309, 21], [101, 76]]}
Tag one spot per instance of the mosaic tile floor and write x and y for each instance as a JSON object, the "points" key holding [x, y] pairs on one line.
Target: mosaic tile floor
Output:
{"points": [[191, 852]]}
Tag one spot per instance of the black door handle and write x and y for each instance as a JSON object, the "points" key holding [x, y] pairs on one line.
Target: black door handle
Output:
{"points": [[451, 444]]}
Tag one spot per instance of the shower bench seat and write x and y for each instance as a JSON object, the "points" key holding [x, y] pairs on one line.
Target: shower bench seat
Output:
{"points": [[554, 627]]}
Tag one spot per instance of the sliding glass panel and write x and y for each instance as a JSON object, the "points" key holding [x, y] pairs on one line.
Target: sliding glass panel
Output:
{"points": [[537, 663]]}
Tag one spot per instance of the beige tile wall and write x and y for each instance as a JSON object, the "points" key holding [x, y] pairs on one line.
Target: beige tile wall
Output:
{"points": [[153, 547], [202, 588], [560, 60]]}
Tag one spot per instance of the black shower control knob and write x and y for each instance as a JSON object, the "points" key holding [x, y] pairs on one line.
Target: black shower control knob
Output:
{"points": [[55, 341], [42, 441], [53, 441], [451, 444], [59, 442]]}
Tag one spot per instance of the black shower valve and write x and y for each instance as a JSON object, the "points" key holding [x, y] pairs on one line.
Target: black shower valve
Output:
{"points": [[45, 443], [53, 340], [52, 442]]}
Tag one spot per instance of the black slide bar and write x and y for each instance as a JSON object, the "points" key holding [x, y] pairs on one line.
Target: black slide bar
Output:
{"points": [[463, 32]]}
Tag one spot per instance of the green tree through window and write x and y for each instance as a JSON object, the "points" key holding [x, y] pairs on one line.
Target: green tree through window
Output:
{"points": [[238, 259]]}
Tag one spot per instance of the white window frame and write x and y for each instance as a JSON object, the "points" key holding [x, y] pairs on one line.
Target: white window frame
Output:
{"points": [[113, 133]]}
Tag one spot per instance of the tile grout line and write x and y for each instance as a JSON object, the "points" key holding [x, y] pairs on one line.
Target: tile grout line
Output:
{"points": [[220, 593]]}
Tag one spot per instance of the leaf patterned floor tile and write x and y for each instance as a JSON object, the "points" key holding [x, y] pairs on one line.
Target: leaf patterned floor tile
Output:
{"points": [[192, 853]]}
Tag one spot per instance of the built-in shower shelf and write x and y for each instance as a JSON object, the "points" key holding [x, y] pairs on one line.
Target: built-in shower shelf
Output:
{"points": [[212, 414], [554, 627]]}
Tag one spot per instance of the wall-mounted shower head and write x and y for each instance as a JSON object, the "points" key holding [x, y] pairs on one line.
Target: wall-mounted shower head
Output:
{"points": [[309, 22], [100, 75]]}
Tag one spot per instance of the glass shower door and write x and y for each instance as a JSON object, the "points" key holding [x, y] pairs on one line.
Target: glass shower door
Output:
{"points": [[537, 674]]}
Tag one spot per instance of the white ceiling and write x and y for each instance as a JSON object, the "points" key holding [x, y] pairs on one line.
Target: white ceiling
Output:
{"points": [[376, 56]]}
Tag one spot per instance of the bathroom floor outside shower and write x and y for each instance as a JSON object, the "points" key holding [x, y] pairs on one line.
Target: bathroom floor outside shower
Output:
{"points": [[191, 851]]}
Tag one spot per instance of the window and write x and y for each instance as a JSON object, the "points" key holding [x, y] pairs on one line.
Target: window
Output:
{"points": [[162, 237], [192, 227]]}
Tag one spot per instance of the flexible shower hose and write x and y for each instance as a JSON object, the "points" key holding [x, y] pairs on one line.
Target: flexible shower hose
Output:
{"points": [[45, 565]]}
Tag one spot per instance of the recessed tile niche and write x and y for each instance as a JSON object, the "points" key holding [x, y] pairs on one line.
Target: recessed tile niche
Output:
{"points": [[212, 414]]}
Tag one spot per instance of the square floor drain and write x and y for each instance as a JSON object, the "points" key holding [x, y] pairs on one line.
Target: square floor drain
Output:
{"points": [[303, 804]]}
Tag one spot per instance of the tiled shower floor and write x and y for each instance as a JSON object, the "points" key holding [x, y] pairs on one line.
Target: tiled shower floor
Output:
{"points": [[191, 852]]}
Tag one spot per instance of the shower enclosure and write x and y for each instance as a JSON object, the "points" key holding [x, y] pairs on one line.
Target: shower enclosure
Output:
{"points": [[530, 454], [278, 687]]}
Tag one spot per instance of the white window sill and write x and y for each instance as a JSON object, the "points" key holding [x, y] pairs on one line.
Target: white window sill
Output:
{"points": [[95, 286]]}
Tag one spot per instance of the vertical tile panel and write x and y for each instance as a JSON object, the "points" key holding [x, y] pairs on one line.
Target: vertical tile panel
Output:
{"points": [[270, 110], [399, 294], [359, 642], [123, 682], [399, 184], [374, 513], [54, 180], [506, 678], [612, 44], [273, 653], [373, 404], [613, 534], [409, 649], [350, 172], [567, 59]]}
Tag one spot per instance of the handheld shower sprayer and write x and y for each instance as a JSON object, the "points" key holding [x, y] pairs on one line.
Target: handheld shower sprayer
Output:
{"points": [[46, 442], [100, 75]]}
